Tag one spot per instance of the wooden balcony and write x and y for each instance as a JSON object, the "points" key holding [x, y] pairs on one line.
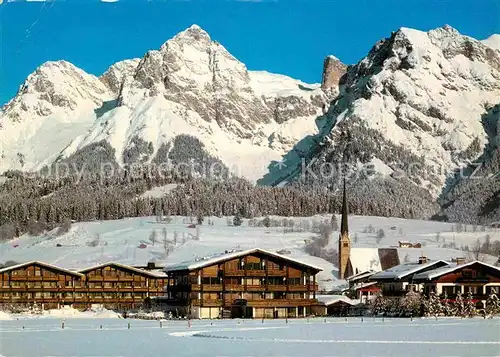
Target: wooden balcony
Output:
{"points": [[276, 272], [234, 287], [255, 288], [281, 303], [207, 302], [256, 273], [206, 287], [239, 273], [276, 287]]}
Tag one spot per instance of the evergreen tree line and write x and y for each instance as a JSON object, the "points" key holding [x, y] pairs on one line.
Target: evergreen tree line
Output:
{"points": [[419, 304], [37, 203]]}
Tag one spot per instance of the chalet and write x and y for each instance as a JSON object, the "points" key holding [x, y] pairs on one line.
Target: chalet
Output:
{"points": [[477, 278], [361, 287], [112, 285], [399, 280], [253, 283], [406, 244], [119, 286], [360, 278], [36, 282]]}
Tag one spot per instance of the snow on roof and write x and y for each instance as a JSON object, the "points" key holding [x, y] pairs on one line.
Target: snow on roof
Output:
{"points": [[13, 267], [363, 259], [332, 299], [128, 267], [364, 285], [431, 274], [402, 270], [361, 275], [206, 261]]}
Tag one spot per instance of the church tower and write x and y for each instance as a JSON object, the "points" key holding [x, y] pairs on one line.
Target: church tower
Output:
{"points": [[344, 240]]}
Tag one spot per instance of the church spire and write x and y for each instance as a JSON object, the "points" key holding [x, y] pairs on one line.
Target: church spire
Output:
{"points": [[344, 226], [344, 240]]}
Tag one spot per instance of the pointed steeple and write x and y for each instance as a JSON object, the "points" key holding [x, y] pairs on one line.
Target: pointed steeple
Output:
{"points": [[344, 226], [344, 240]]}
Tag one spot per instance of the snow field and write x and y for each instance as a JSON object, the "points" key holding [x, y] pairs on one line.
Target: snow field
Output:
{"points": [[294, 337], [120, 241]]}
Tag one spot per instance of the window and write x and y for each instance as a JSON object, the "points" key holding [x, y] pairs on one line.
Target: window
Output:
{"points": [[471, 289], [492, 290], [451, 290], [253, 266], [210, 281], [294, 281]]}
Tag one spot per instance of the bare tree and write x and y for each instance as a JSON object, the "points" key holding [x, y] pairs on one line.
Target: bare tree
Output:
{"points": [[380, 235], [334, 224], [152, 237], [96, 241], [475, 250]]}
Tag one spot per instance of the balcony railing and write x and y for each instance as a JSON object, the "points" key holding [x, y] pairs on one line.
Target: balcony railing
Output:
{"points": [[276, 272], [207, 302]]}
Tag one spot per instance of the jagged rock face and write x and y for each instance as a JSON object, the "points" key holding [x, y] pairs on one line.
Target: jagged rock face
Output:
{"points": [[333, 70], [191, 86], [414, 106], [202, 75], [55, 86], [118, 73]]}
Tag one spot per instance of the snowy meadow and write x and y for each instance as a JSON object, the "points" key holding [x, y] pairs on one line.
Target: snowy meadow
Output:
{"points": [[305, 337]]}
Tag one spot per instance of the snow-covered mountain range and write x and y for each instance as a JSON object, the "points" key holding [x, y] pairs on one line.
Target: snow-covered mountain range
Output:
{"points": [[418, 107], [191, 86]]}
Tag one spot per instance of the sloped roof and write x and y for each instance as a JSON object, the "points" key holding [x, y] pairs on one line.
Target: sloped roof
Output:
{"points": [[127, 267], [365, 285], [197, 264], [435, 273], [403, 270], [13, 267], [360, 275]]}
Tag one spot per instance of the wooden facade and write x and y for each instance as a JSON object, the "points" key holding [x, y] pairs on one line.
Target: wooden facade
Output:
{"points": [[253, 284], [112, 285], [477, 278]]}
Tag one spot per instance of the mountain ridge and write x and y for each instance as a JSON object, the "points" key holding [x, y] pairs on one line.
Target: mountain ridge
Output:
{"points": [[413, 108]]}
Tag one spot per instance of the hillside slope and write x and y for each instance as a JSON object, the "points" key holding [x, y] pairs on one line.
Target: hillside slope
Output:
{"points": [[129, 241]]}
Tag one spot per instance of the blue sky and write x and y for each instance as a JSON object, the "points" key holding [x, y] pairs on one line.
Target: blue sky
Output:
{"points": [[284, 36]]}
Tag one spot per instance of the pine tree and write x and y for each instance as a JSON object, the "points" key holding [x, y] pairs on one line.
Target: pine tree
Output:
{"points": [[433, 305], [470, 308], [237, 221], [493, 304], [447, 309], [459, 307], [410, 304]]}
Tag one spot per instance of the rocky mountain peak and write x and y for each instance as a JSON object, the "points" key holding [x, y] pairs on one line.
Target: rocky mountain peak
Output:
{"points": [[333, 70], [193, 34], [116, 74], [53, 86]]}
